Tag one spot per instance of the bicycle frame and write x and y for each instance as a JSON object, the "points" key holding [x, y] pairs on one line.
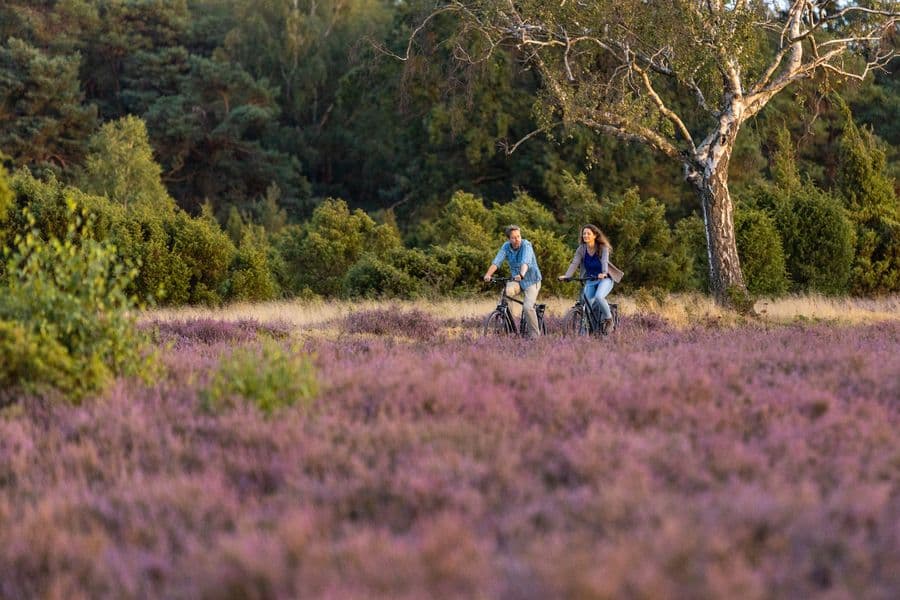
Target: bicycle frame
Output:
{"points": [[503, 309], [590, 323]]}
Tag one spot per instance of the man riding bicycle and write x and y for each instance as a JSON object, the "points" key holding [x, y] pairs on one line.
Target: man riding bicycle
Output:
{"points": [[525, 272]]}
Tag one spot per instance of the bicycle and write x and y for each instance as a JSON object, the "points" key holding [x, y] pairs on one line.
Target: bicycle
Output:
{"points": [[501, 322], [580, 320]]}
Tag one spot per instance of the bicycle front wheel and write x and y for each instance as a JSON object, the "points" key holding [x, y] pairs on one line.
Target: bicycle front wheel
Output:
{"points": [[574, 323], [495, 325]]}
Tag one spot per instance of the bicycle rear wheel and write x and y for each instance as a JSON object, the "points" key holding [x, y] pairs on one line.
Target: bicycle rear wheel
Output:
{"points": [[495, 325], [574, 322]]}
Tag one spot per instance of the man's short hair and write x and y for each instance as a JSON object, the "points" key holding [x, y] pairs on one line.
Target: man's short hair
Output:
{"points": [[510, 228]]}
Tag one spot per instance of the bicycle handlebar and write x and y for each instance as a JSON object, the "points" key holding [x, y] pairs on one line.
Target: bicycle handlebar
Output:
{"points": [[581, 279]]}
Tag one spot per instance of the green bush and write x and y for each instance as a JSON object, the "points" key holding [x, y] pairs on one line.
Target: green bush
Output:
{"points": [[577, 202], [464, 220], [252, 278], [65, 301], [759, 248], [31, 362], [760, 251], [178, 258], [874, 210], [207, 253], [525, 212], [267, 377], [643, 244], [468, 263], [371, 277], [817, 237], [432, 275], [331, 242]]}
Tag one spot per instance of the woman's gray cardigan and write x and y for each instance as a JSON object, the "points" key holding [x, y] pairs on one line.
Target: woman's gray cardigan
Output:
{"points": [[578, 259]]}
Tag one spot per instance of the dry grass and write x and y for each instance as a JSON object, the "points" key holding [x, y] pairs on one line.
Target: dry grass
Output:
{"points": [[678, 309]]}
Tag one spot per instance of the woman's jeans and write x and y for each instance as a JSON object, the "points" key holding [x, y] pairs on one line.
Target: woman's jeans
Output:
{"points": [[596, 292]]}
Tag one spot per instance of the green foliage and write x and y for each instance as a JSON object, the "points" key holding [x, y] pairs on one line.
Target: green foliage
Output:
{"points": [[207, 253], [760, 252], [525, 212], [759, 249], [691, 234], [43, 123], [65, 301], [268, 377], [252, 279], [6, 195], [874, 209], [464, 220], [643, 244], [783, 165], [576, 201], [330, 243], [816, 235], [120, 166], [469, 263], [32, 363], [179, 259], [372, 277], [432, 275]]}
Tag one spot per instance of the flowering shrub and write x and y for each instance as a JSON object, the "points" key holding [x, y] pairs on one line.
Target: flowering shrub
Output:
{"points": [[180, 333], [414, 323], [684, 463]]}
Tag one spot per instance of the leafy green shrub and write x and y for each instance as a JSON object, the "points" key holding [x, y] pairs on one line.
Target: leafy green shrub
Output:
{"points": [[252, 278], [874, 210], [464, 220], [207, 253], [526, 212], [32, 363], [817, 237], [372, 277], [432, 275], [266, 376], [760, 251], [178, 258], [468, 263], [67, 304], [576, 201], [643, 245], [330, 243]]}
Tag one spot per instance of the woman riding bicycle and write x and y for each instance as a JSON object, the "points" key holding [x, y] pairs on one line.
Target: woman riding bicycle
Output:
{"points": [[592, 256]]}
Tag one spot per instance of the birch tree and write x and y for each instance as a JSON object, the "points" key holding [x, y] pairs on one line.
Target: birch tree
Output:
{"points": [[680, 76]]}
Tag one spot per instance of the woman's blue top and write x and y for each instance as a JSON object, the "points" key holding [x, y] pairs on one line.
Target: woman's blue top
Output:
{"points": [[593, 265]]}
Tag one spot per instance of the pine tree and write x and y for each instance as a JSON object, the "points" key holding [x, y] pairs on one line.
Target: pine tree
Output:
{"points": [[873, 206]]}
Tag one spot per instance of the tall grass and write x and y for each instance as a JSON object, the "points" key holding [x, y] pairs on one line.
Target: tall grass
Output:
{"points": [[680, 310]]}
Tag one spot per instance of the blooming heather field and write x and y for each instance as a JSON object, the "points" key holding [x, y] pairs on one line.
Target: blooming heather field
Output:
{"points": [[402, 456]]}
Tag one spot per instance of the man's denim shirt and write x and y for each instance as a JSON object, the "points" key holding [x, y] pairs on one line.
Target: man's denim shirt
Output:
{"points": [[515, 258]]}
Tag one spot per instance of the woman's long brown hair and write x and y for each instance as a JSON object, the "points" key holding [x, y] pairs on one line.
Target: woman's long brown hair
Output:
{"points": [[601, 237]]}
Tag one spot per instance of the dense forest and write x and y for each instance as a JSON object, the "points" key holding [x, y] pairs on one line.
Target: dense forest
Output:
{"points": [[237, 149]]}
